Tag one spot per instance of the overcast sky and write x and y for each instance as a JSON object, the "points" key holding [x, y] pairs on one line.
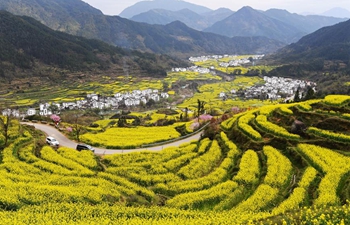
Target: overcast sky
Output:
{"points": [[114, 7]]}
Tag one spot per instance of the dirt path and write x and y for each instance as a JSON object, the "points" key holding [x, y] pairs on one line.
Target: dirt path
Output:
{"points": [[64, 141]]}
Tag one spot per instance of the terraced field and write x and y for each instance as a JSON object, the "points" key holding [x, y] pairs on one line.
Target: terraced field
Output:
{"points": [[255, 171]]}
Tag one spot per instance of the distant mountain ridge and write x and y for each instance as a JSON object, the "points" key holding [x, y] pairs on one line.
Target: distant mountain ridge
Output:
{"points": [[250, 22], [190, 18], [307, 24], [163, 17], [181, 41], [338, 12], [274, 23], [173, 5]]}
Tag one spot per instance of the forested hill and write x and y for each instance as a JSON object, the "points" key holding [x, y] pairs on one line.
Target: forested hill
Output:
{"points": [[328, 43], [89, 23], [323, 56], [26, 44]]}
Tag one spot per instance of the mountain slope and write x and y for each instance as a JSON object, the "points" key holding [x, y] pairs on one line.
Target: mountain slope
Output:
{"points": [[338, 12], [323, 57], [163, 17], [307, 24], [186, 16], [56, 14], [187, 40], [217, 15], [27, 45], [250, 22], [328, 43], [173, 5], [129, 34]]}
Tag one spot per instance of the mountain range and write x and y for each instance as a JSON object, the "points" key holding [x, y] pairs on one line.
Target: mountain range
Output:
{"points": [[274, 23], [188, 17], [173, 5], [176, 39], [337, 12], [28, 48], [327, 43]]}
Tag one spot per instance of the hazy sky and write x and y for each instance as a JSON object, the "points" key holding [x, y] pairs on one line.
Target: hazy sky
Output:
{"points": [[114, 7]]}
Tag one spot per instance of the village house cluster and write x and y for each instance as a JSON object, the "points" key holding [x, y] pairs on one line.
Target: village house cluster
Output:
{"points": [[210, 57], [95, 101], [233, 62], [275, 88], [241, 61], [192, 68]]}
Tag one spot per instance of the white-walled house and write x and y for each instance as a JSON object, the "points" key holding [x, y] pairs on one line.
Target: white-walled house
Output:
{"points": [[31, 112], [11, 112], [164, 95], [44, 109]]}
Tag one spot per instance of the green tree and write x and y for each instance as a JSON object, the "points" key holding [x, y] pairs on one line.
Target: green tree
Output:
{"points": [[200, 107], [54, 109], [165, 86], [297, 96], [310, 94], [5, 123]]}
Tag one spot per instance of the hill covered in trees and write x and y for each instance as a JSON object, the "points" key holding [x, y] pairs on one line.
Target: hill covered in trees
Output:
{"points": [[28, 48], [323, 56], [78, 18]]}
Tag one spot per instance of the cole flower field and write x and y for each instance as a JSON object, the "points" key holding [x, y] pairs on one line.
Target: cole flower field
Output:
{"points": [[231, 177]]}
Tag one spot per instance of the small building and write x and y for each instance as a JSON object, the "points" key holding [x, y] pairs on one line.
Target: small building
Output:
{"points": [[31, 112]]}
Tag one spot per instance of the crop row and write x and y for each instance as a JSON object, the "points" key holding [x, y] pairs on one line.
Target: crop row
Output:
{"points": [[228, 124], [195, 200], [114, 138], [337, 100], [274, 129], [133, 159], [243, 125], [279, 167], [334, 165], [203, 164], [285, 110], [147, 158], [249, 168], [299, 194], [85, 158], [204, 145], [32, 193], [261, 198], [148, 194], [174, 164], [218, 175], [337, 137], [346, 116], [50, 155]]}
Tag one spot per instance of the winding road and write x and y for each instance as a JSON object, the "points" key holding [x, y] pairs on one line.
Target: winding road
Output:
{"points": [[64, 141]]}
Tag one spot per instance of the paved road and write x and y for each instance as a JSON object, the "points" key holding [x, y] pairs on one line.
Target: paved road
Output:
{"points": [[64, 141]]}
